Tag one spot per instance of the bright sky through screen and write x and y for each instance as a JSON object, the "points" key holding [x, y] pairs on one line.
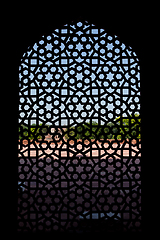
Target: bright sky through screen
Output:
{"points": [[79, 77]]}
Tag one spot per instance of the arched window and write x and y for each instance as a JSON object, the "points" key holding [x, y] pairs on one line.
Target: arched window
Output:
{"points": [[79, 133]]}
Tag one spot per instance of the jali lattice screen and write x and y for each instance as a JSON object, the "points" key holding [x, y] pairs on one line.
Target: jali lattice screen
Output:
{"points": [[79, 145]]}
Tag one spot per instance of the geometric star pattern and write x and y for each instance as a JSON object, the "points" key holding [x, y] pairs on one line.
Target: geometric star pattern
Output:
{"points": [[79, 75]]}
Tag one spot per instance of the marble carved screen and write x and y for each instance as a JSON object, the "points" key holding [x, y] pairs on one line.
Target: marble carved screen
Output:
{"points": [[79, 146]]}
